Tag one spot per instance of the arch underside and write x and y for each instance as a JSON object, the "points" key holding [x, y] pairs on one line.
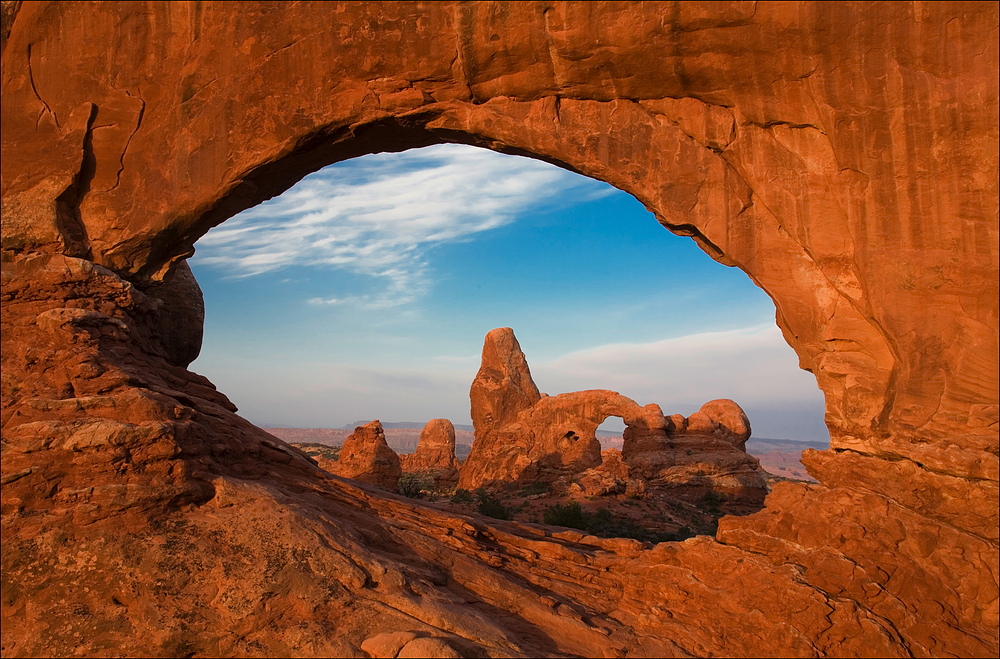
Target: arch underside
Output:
{"points": [[832, 172]]}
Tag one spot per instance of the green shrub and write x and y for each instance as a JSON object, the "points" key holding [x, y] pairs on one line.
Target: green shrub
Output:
{"points": [[710, 502], [536, 487], [462, 496], [490, 506], [571, 515], [603, 524]]}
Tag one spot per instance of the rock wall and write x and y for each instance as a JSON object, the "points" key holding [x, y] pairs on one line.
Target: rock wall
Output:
{"points": [[843, 154]]}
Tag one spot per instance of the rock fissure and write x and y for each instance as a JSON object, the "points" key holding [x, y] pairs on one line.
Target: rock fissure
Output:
{"points": [[121, 159], [34, 90]]}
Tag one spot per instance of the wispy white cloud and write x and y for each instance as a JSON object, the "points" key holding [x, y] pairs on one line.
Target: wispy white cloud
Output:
{"points": [[751, 365], [379, 217]]}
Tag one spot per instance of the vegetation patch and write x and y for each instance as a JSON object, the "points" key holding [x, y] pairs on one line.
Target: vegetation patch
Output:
{"points": [[536, 487], [416, 484], [603, 524], [462, 495], [318, 450], [489, 505]]}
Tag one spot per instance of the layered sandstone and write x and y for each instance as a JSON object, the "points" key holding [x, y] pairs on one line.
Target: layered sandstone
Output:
{"points": [[366, 457], [521, 438], [844, 155], [435, 454], [705, 451]]}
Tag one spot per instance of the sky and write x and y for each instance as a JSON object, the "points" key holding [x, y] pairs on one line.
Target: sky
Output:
{"points": [[365, 292]]}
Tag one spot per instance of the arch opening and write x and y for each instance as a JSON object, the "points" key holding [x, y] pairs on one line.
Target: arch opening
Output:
{"points": [[567, 352]]}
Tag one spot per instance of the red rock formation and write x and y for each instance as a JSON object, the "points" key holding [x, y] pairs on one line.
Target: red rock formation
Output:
{"points": [[435, 453], [522, 442], [366, 457], [842, 154], [611, 477], [706, 451], [522, 436], [503, 387]]}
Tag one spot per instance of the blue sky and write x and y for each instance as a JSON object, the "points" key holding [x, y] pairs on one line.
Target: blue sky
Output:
{"points": [[365, 292]]}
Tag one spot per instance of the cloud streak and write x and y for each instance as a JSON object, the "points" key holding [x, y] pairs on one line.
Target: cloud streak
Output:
{"points": [[751, 365], [379, 217]]}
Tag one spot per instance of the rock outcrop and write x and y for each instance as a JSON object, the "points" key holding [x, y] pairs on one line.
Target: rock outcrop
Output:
{"points": [[519, 441], [522, 436], [503, 387], [705, 451], [609, 478], [842, 154], [366, 457], [435, 454]]}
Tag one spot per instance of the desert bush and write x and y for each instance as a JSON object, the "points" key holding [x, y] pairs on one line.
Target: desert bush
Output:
{"points": [[536, 487], [603, 524], [491, 506], [462, 496], [710, 502], [570, 514], [416, 484]]}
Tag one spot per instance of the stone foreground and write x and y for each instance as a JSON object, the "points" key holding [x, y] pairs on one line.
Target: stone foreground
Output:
{"points": [[844, 155]]}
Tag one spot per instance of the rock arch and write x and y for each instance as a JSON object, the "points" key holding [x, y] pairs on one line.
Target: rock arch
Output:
{"points": [[851, 174]]}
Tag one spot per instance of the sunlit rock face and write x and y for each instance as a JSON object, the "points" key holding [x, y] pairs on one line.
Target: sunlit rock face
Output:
{"points": [[842, 154], [366, 457], [524, 437], [435, 454]]}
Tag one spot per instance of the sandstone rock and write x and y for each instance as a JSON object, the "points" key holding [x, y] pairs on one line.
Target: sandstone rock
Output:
{"points": [[554, 438], [729, 422], [842, 154], [609, 478], [613, 465], [326, 464], [428, 647], [181, 314], [522, 437], [503, 387], [435, 453], [703, 452], [387, 644], [366, 457]]}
